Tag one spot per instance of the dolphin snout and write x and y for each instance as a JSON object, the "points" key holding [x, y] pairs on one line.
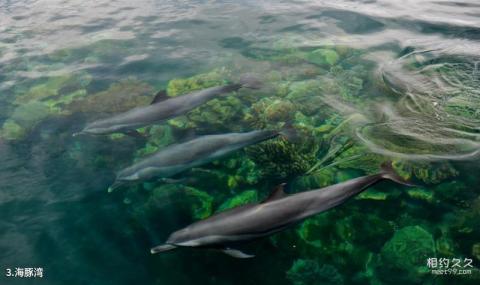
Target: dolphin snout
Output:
{"points": [[115, 185]]}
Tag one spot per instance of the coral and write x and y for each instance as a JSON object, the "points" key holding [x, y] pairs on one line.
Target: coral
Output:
{"points": [[12, 131], [371, 194], [317, 231], [119, 97], [269, 111], [157, 137], [430, 173], [216, 77], [54, 88], [280, 159], [476, 251], [454, 192], [309, 272], [304, 89], [198, 203], [322, 57], [317, 179], [466, 220], [403, 258], [24, 119], [219, 114], [361, 230], [249, 196], [201, 202], [347, 83], [247, 171], [420, 194]]}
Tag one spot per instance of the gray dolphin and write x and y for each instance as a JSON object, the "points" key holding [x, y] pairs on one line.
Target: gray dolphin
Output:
{"points": [[179, 157], [163, 108], [279, 211]]}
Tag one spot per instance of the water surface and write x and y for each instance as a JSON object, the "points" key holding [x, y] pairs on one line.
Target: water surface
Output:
{"points": [[367, 80]]}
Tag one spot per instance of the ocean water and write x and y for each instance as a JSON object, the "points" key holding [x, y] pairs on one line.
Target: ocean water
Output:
{"points": [[362, 82]]}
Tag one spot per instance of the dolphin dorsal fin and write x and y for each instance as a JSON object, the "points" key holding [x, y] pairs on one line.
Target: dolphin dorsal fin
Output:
{"points": [[160, 96], [277, 193]]}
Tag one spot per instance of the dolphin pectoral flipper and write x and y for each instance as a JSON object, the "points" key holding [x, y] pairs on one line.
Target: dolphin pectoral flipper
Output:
{"points": [[162, 248], [237, 253]]}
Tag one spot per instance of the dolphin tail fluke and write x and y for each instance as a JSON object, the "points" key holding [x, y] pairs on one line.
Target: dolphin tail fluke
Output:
{"points": [[237, 253], [290, 133], [388, 172], [251, 81], [162, 248]]}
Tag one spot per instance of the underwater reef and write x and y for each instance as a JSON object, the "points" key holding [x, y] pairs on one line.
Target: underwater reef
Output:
{"points": [[385, 235]]}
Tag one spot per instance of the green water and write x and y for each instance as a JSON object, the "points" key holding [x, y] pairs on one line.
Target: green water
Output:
{"points": [[362, 82]]}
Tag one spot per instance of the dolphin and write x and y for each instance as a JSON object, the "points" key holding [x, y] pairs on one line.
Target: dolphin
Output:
{"points": [[279, 211], [179, 157], [163, 108]]}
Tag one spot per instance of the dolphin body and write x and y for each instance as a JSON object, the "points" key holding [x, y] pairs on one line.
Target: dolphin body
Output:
{"points": [[179, 157], [163, 108], [278, 212]]}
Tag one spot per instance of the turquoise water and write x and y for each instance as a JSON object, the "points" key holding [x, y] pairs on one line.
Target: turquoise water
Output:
{"points": [[363, 82]]}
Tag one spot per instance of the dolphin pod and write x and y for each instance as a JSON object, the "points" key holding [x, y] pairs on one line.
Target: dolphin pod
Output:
{"points": [[163, 108], [279, 211], [179, 157], [238, 225]]}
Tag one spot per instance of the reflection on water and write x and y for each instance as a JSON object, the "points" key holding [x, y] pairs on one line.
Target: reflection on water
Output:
{"points": [[363, 81]]}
